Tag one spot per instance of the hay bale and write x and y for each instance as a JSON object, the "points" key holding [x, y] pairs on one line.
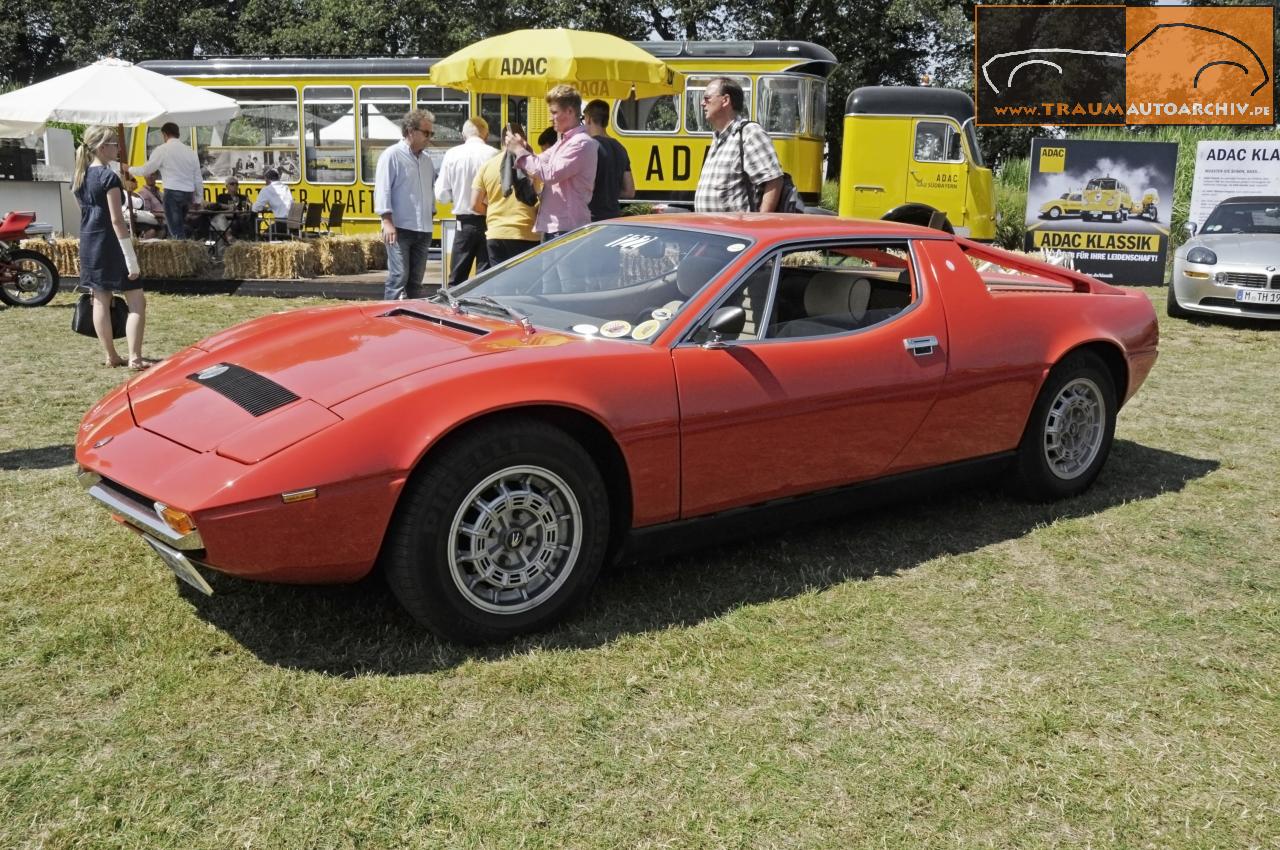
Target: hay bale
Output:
{"points": [[375, 250], [64, 253], [273, 260], [171, 258], [340, 255]]}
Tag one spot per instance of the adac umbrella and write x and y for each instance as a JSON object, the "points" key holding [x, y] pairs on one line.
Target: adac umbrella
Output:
{"points": [[112, 91], [529, 62]]}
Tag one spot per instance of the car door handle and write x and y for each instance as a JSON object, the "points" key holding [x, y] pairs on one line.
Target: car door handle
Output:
{"points": [[867, 187], [920, 345]]}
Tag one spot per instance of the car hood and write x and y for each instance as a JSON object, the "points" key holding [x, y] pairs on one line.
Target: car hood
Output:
{"points": [[1244, 248], [322, 357]]}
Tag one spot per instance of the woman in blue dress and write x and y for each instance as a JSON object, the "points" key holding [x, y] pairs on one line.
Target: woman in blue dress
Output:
{"points": [[108, 263]]}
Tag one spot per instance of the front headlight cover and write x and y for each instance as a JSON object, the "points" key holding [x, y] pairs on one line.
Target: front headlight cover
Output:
{"points": [[1201, 256]]}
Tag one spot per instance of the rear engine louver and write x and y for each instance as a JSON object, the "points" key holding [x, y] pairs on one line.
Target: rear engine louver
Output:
{"points": [[254, 393]]}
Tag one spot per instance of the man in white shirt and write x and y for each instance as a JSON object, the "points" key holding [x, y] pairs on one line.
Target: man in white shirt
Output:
{"points": [[179, 169], [457, 174], [278, 198], [403, 197]]}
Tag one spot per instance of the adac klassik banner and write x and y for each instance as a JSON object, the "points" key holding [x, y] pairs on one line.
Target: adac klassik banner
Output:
{"points": [[1112, 65], [1105, 204]]}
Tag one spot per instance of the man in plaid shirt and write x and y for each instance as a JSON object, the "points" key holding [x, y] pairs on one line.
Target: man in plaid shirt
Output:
{"points": [[741, 158]]}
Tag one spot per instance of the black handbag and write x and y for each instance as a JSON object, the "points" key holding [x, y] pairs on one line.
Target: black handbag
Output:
{"points": [[82, 316]]}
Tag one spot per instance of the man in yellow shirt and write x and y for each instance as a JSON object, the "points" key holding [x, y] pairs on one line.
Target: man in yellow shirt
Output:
{"points": [[508, 219]]}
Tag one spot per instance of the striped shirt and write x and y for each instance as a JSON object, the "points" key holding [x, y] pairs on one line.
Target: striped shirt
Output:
{"points": [[741, 146]]}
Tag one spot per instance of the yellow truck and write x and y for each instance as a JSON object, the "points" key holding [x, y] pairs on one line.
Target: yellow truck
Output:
{"points": [[1106, 196], [911, 154]]}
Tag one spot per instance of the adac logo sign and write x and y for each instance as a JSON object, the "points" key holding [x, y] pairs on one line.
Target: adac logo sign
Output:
{"points": [[1110, 66], [521, 66]]}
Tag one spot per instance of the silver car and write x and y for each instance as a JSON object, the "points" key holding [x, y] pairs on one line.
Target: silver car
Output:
{"points": [[1231, 267]]}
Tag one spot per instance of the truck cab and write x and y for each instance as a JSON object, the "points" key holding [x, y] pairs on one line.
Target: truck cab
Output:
{"points": [[1106, 196], [911, 155]]}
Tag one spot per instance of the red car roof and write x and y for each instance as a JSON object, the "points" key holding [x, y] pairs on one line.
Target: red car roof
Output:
{"points": [[760, 225]]}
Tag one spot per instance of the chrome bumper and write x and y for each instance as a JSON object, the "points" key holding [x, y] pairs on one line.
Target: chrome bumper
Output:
{"points": [[137, 514]]}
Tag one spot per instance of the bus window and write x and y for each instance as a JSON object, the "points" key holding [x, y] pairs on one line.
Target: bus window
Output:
{"points": [[264, 135], [818, 108], [451, 108], [491, 112], [329, 149], [518, 111], [781, 106], [659, 114], [695, 84], [382, 108]]}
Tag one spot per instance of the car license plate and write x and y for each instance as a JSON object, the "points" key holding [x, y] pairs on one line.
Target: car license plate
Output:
{"points": [[181, 567], [1258, 296]]}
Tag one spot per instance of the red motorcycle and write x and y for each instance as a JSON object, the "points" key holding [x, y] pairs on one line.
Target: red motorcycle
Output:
{"points": [[27, 278]]}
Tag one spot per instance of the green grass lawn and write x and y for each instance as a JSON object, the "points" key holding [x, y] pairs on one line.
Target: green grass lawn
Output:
{"points": [[966, 671]]}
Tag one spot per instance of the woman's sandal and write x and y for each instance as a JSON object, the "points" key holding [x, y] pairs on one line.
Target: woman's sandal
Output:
{"points": [[142, 363]]}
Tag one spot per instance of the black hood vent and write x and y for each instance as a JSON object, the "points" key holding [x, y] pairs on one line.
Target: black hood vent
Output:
{"points": [[436, 320], [254, 393]]}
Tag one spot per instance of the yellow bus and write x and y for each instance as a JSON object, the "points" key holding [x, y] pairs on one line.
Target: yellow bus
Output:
{"points": [[322, 122]]}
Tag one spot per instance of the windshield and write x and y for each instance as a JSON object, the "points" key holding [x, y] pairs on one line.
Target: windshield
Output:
{"points": [[1101, 183], [622, 281], [1259, 217]]}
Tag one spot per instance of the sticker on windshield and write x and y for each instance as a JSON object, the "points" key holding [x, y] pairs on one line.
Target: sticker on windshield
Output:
{"points": [[661, 314], [736, 247], [644, 330], [615, 329], [631, 240], [671, 306], [589, 330]]}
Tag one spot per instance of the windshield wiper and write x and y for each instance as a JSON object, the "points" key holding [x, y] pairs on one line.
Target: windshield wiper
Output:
{"points": [[493, 304], [448, 299]]}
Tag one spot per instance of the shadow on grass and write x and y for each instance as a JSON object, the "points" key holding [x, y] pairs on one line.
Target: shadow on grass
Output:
{"points": [[360, 629], [45, 457]]}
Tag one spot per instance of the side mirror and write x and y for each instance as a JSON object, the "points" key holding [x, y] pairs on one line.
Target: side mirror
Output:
{"points": [[1190, 229], [725, 321]]}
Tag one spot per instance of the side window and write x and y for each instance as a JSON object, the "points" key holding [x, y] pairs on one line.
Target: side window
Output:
{"points": [[752, 296], [937, 142], [782, 106], [659, 114], [818, 108], [264, 135], [695, 84], [451, 109], [382, 108], [832, 290], [329, 147]]}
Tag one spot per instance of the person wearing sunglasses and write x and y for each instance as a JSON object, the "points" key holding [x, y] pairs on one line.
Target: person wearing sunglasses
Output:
{"points": [[405, 200]]}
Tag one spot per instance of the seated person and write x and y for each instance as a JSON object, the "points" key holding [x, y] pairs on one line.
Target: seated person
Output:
{"points": [[148, 225], [234, 216], [278, 198]]}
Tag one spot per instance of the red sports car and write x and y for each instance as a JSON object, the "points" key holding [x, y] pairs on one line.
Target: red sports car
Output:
{"points": [[493, 445]]}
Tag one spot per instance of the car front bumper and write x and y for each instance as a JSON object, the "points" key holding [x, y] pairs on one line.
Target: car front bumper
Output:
{"points": [[1211, 297]]}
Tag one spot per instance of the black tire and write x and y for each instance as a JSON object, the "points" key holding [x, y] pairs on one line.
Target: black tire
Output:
{"points": [[1078, 396], [551, 491], [1173, 308], [35, 280]]}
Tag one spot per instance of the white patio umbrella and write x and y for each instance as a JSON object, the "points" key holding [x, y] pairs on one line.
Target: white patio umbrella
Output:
{"points": [[111, 91]]}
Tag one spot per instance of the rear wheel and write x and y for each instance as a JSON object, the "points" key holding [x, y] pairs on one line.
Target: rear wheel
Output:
{"points": [[500, 535], [27, 279], [1069, 434]]}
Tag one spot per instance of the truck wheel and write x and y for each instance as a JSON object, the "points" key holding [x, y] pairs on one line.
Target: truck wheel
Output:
{"points": [[501, 534], [1069, 432]]}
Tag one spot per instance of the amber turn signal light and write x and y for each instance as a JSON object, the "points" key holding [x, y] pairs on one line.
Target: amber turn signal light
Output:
{"points": [[180, 521]]}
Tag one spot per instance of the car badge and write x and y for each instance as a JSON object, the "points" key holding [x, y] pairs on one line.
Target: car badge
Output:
{"points": [[103, 442], [211, 372], [1271, 268]]}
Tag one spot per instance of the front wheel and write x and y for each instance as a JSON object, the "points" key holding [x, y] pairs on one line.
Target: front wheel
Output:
{"points": [[1055, 213], [1173, 308], [1069, 434], [501, 534], [27, 279]]}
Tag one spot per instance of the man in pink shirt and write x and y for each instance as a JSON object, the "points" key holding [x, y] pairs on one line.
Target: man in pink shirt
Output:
{"points": [[567, 169]]}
